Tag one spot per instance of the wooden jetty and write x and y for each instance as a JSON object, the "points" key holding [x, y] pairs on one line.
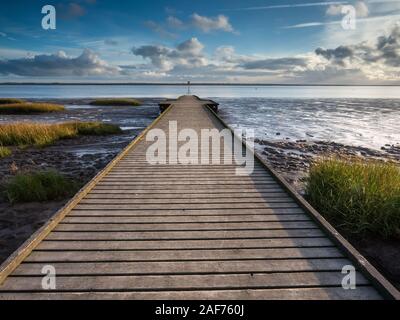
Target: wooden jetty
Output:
{"points": [[188, 231]]}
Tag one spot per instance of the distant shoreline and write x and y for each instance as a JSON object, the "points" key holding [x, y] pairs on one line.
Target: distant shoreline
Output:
{"points": [[193, 84]]}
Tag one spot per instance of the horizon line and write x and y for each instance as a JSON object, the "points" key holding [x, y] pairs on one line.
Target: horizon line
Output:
{"points": [[200, 84]]}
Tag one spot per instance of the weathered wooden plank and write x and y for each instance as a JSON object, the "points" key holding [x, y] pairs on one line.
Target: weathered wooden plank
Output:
{"points": [[183, 234], [198, 211], [209, 196], [185, 267], [187, 206], [185, 244], [238, 183], [188, 226], [183, 190], [186, 282], [179, 173], [285, 215], [320, 293], [188, 180], [174, 255], [167, 171], [181, 219], [183, 200]]}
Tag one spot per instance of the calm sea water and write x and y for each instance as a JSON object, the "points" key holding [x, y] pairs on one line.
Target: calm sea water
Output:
{"points": [[361, 116], [168, 91]]}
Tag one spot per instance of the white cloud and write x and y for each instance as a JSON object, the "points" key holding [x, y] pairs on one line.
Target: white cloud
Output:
{"points": [[170, 27], [374, 60], [58, 64], [174, 22], [377, 60], [334, 10], [387, 19], [111, 42], [161, 30], [361, 8], [207, 24], [383, 14], [187, 54], [292, 5]]}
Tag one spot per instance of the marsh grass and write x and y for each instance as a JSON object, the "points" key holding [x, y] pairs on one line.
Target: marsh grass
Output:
{"points": [[37, 134], [359, 197], [39, 186], [4, 152], [116, 102], [95, 128], [28, 108], [10, 100]]}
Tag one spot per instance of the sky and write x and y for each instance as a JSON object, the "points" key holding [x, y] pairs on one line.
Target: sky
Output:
{"points": [[229, 41]]}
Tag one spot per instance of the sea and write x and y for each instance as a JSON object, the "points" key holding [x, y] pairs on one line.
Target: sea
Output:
{"points": [[367, 116]]}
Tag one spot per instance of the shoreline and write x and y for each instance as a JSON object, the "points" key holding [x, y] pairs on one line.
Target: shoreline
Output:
{"points": [[192, 84]]}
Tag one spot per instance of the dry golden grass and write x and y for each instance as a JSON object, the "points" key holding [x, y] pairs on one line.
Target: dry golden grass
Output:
{"points": [[39, 134], [29, 107], [10, 100], [116, 102]]}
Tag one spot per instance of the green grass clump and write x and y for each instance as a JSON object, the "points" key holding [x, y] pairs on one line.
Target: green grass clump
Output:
{"points": [[28, 108], [10, 100], [4, 152], [38, 134], [359, 197], [39, 186], [96, 128], [116, 102]]}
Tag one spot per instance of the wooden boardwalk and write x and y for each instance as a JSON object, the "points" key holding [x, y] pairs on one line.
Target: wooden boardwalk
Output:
{"points": [[142, 231]]}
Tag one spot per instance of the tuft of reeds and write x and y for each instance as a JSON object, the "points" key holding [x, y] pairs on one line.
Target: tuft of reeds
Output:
{"points": [[38, 134], [95, 128], [39, 186], [116, 102], [29, 107], [359, 197], [4, 152], [10, 100]]}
